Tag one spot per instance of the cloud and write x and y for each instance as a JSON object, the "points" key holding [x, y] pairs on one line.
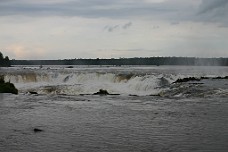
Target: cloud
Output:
{"points": [[19, 51], [173, 11], [112, 28], [127, 25], [83, 8], [214, 11], [211, 5], [155, 27], [135, 50], [174, 23], [122, 53]]}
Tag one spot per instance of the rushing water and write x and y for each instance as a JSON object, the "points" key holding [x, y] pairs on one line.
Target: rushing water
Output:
{"points": [[151, 113]]}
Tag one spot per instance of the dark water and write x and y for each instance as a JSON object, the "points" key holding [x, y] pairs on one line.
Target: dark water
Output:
{"points": [[113, 123]]}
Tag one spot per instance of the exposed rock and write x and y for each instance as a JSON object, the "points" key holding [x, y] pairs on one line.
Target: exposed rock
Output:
{"points": [[196, 83], [163, 82], [66, 78], [133, 95], [36, 130], [226, 77], [198, 79], [33, 92], [101, 92], [187, 80], [219, 77], [204, 77], [70, 67]]}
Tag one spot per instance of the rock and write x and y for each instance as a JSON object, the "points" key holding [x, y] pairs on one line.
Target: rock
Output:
{"points": [[186, 80], [70, 67], [133, 95], [101, 92], [66, 78], [204, 78], [226, 77], [33, 92], [163, 82], [195, 83], [36, 130], [218, 78]]}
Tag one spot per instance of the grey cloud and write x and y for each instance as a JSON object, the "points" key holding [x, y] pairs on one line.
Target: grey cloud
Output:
{"points": [[223, 26], [111, 28], [174, 23], [155, 27], [213, 11], [127, 25], [211, 5], [85, 8], [135, 50], [174, 11]]}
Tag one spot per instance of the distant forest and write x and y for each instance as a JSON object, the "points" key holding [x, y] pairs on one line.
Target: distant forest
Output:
{"points": [[130, 61], [4, 61]]}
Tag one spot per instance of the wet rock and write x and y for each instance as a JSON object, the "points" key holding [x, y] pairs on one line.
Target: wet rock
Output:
{"points": [[101, 92], [105, 92], [226, 77], [187, 80], [196, 83], [33, 92], [133, 95], [66, 78], [204, 77], [36, 130], [84, 94], [70, 67], [163, 82], [218, 78]]}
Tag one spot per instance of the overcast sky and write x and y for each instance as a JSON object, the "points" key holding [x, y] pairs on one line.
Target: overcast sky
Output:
{"points": [[60, 29]]}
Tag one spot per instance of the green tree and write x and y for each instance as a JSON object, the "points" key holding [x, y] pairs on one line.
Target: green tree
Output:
{"points": [[4, 62], [7, 61], [1, 56], [1, 59]]}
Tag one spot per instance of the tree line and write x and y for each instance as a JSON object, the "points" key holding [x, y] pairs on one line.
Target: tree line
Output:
{"points": [[130, 61], [4, 61]]}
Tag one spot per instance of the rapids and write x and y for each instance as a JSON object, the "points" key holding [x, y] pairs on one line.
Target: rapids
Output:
{"points": [[138, 81]]}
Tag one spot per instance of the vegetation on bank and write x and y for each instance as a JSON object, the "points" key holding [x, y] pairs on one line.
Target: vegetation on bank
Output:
{"points": [[4, 61], [130, 61], [7, 87]]}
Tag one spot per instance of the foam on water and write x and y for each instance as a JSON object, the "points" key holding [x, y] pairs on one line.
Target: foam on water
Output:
{"points": [[124, 80], [88, 83]]}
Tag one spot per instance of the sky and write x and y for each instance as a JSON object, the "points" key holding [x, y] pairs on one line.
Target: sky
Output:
{"points": [[68, 29]]}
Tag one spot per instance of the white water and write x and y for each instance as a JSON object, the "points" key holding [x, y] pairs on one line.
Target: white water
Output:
{"points": [[88, 83], [116, 80]]}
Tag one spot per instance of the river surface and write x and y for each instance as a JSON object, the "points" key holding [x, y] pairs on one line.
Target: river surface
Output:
{"points": [[150, 114]]}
